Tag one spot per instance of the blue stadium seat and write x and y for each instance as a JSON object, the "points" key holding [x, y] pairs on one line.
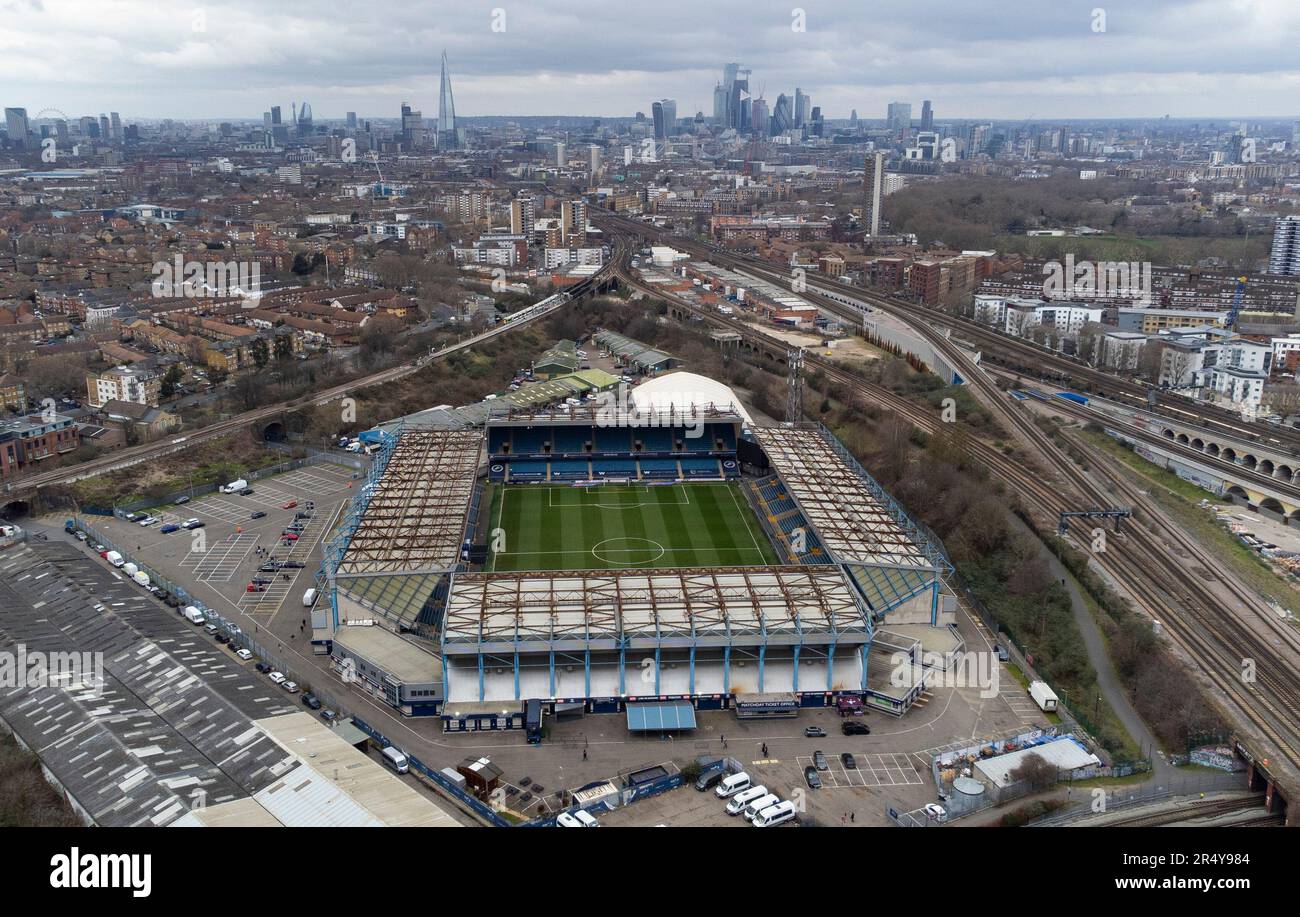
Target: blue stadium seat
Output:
{"points": [[530, 440], [569, 470]]}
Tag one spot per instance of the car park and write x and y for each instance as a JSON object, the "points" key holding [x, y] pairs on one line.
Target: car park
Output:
{"points": [[855, 728], [814, 732], [819, 761], [811, 777]]}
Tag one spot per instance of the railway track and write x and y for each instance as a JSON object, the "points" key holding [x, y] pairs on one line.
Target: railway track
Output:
{"points": [[1025, 354], [1194, 811], [28, 484], [1191, 612]]}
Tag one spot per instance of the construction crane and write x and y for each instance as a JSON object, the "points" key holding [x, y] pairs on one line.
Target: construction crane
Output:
{"points": [[1236, 304]]}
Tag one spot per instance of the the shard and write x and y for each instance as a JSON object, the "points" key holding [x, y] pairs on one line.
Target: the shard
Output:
{"points": [[446, 111]]}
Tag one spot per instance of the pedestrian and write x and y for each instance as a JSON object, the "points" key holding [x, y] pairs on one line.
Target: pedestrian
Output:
{"points": [[584, 754], [853, 816]]}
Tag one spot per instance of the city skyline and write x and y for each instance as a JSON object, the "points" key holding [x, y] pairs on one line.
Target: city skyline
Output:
{"points": [[1019, 60]]}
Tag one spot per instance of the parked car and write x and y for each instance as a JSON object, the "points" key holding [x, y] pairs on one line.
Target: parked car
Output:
{"points": [[814, 732], [169, 528], [310, 700], [586, 819], [709, 777], [246, 492], [936, 812], [819, 761], [276, 677], [329, 716], [291, 565], [261, 515], [182, 500], [134, 517], [222, 638], [850, 763], [565, 820], [193, 524], [147, 521], [288, 504], [290, 686], [810, 777], [244, 654], [855, 728], [262, 667]]}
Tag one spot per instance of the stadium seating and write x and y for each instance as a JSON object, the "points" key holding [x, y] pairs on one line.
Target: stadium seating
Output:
{"points": [[613, 468], [571, 440], [531, 440], [499, 440], [528, 471], [699, 467], [613, 439], [569, 470], [658, 468], [654, 439]]}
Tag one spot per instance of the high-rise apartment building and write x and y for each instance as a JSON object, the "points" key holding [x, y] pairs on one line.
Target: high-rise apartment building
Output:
{"points": [[899, 119], [1284, 256], [523, 215], [873, 188], [16, 124]]}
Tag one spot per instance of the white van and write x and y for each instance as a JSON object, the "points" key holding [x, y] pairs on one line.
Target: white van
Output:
{"points": [[774, 815], [396, 760], [758, 805], [193, 615], [114, 558], [744, 798], [309, 598], [586, 819], [730, 786]]}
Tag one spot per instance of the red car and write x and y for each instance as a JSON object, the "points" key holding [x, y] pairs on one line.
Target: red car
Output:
{"points": [[289, 536], [290, 505]]}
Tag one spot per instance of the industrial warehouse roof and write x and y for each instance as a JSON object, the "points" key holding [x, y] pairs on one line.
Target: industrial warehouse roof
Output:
{"points": [[631, 351], [608, 608], [853, 516], [1065, 754], [414, 517]]}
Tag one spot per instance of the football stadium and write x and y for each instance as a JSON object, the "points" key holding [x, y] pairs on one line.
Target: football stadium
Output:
{"points": [[654, 545]]}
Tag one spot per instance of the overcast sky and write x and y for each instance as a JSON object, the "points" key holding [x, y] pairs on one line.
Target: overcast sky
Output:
{"points": [[1021, 59]]}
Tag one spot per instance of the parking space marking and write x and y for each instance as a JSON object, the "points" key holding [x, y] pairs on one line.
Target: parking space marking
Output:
{"points": [[219, 563], [873, 770]]}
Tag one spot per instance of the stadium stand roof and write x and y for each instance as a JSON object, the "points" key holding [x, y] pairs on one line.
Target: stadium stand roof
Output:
{"points": [[605, 609], [856, 520], [414, 518]]}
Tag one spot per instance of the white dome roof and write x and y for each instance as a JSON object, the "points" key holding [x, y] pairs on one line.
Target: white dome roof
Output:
{"points": [[681, 390]]}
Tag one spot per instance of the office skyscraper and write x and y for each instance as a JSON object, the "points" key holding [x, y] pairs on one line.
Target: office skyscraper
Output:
{"points": [[1284, 256], [899, 118], [801, 106], [352, 120], [446, 111], [782, 115], [760, 119], [412, 127], [665, 118], [927, 116], [16, 124], [873, 185], [727, 97]]}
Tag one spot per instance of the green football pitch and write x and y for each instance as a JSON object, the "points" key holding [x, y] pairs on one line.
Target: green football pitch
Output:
{"points": [[557, 527]]}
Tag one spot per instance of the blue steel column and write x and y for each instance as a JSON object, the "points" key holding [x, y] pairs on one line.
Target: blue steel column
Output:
{"points": [[830, 668], [762, 658], [726, 667], [481, 692], [934, 603], [587, 672], [657, 689], [797, 648], [517, 671], [622, 666], [692, 669], [866, 648], [552, 660]]}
